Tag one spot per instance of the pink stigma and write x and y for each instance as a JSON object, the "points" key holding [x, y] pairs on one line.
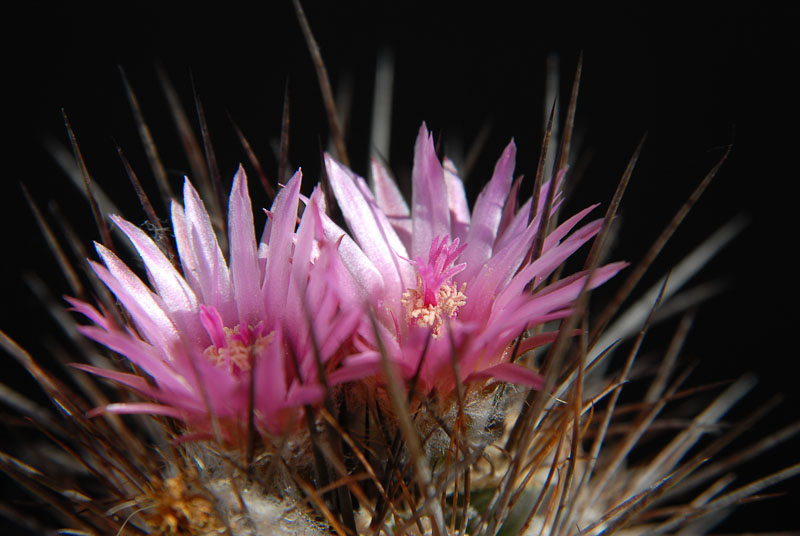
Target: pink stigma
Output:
{"points": [[232, 349], [439, 270], [436, 298]]}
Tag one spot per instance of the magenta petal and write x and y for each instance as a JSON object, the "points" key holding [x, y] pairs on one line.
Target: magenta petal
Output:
{"points": [[283, 220], [488, 212], [387, 195], [509, 373], [562, 230], [363, 270], [147, 408], [565, 249], [142, 355], [336, 276], [173, 290], [547, 263], [130, 380], [372, 231], [90, 312], [141, 303], [352, 373], [301, 266], [213, 324], [510, 209], [456, 201], [245, 274], [181, 232], [560, 294], [270, 375], [516, 224], [212, 273], [391, 202], [494, 275], [301, 395], [339, 332], [430, 215]]}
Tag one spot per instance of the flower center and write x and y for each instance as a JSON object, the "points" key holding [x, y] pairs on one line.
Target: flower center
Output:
{"points": [[436, 297], [233, 348]]}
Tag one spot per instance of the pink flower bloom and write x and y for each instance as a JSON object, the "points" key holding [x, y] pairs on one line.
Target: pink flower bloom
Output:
{"points": [[204, 336], [443, 282]]}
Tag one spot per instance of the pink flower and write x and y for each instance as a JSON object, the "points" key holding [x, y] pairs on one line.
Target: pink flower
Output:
{"points": [[218, 338], [443, 282], [204, 336]]}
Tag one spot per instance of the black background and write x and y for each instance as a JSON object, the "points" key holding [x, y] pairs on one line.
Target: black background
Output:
{"points": [[693, 80]]}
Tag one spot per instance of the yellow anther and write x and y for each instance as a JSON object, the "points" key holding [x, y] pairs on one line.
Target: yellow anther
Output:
{"points": [[448, 300], [236, 354]]}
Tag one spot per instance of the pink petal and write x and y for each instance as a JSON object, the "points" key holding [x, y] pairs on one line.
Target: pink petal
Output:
{"points": [[137, 408], [144, 306], [430, 215], [561, 231], [214, 325], [215, 275], [515, 225], [354, 372], [387, 195], [546, 186], [536, 341], [301, 395], [182, 240], [391, 202], [139, 353], [245, 274], [363, 271], [509, 373], [510, 208], [279, 267], [339, 331], [301, 267], [487, 214], [504, 326], [211, 269], [548, 262], [457, 201], [495, 274], [129, 380], [372, 231], [336, 277], [91, 313], [562, 293], [178, 298], [270, 376]]}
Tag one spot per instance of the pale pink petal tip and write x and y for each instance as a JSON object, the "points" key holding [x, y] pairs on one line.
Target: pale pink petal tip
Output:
{"points": [[136, 408]]}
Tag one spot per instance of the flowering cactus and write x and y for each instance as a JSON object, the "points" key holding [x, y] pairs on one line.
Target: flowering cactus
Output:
{"points": [[281, 365], [443, 282], [205, 336]]}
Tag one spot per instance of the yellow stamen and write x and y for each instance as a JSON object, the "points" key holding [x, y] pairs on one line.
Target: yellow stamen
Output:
{"points": [[448, 300], [236, 355]]}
